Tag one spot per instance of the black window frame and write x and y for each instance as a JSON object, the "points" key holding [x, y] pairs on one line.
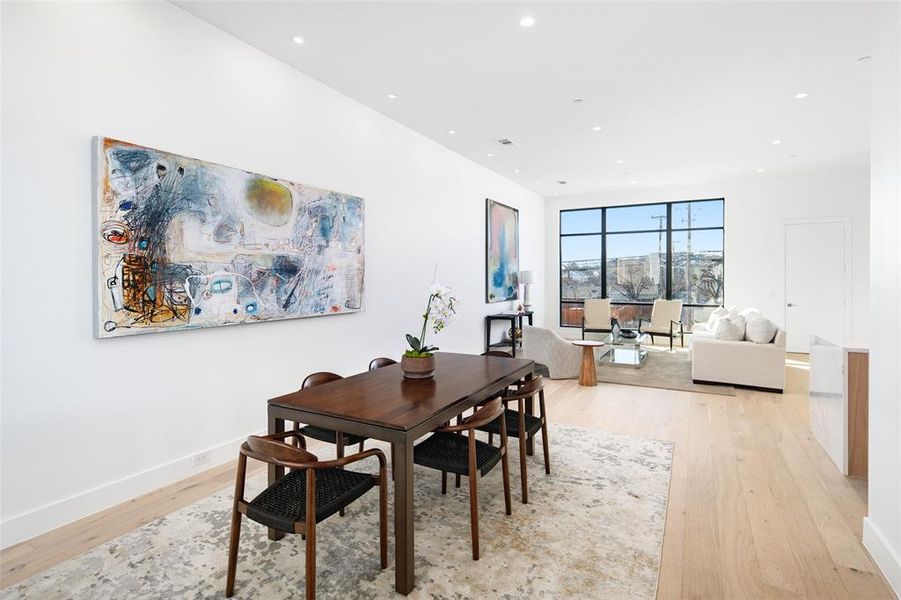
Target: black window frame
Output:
{"points": [[603, 233]]}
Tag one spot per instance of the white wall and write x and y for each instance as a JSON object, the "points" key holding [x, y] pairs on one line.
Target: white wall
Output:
{"points": [[88, 423], [882, 528], [757, 208]]}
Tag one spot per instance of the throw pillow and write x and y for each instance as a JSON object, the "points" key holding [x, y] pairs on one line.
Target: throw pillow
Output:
{"points": [[730, 328], [716, 314], [760, 330]]}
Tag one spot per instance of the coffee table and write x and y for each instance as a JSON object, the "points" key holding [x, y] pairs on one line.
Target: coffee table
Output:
{"points": [[588, 374], [625, 351]]}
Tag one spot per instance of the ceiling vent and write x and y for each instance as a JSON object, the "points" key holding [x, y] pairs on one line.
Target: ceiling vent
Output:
{"points": [[505, 142], [562, 182]]}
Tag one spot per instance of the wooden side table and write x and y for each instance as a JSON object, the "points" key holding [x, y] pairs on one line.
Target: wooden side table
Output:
{"points": [[588, 374]]}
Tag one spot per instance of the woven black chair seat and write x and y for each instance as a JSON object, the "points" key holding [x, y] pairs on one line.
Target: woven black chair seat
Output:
{"points": [[533, 424], [450, 452], [330, 435], [285, 501]]}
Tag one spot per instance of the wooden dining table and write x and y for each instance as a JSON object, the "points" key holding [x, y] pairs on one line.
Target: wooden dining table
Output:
{"points": [[383, 405]]}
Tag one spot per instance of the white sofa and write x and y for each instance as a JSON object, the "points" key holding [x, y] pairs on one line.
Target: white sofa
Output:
{"points": [[545, 347], [742, 363]]}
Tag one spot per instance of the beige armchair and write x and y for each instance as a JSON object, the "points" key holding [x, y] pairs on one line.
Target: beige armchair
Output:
{"points": [[666, 321], [596, 317]]}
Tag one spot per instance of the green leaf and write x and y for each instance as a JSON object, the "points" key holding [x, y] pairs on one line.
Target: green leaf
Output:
{"points": [[414, 342]]}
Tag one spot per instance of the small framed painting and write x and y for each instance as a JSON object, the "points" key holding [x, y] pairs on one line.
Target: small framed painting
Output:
{"points": [[501, 252]]}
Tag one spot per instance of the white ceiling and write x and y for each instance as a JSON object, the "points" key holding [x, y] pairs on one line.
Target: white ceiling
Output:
{"points": [[684, 92]]}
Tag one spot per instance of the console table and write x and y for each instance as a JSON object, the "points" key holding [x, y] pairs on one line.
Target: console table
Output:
{"points": [[515, 319]]}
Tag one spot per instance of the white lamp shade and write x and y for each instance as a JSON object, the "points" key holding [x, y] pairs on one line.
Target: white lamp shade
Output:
{"points": [[526, 277]]}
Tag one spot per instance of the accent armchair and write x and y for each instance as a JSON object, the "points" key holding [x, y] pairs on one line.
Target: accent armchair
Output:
{"points": [[596, 317], [666, 321]]}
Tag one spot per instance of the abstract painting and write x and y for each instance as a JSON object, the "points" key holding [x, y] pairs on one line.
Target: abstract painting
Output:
{"points": [[502, 252], [183, 243]]}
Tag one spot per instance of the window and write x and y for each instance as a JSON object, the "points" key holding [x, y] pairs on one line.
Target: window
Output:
{"points": [[636, 254]]}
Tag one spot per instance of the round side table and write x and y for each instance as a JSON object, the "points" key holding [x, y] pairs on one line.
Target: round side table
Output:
{"points": [[588, 375]]}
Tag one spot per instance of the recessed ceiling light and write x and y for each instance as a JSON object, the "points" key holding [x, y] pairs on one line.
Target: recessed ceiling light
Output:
{"points": [[776, 142], [451, 131], [801, 95], [618, 161], [596, 128], [489, 155], [761, 170], [537, 183], [527, 21], [297, 39], [633, 182], [864, 58], [516, 170], [392, 96]]}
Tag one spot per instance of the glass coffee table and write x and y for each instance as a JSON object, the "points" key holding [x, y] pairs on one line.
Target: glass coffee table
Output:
{"points": [[623, 351]]}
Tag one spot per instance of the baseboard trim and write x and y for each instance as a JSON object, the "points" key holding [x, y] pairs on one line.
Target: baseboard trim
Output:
{"points": [[27, 525], [886, 558]]}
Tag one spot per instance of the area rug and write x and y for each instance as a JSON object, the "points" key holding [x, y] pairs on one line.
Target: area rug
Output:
{"points": [[592, 529], [661, 369]]}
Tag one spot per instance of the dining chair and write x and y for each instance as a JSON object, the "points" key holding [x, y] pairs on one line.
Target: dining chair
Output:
{"points": [[596, 318], [378, 363], [521, 424], [309, 493], [330, 436], [666, 316], [447, 451]]}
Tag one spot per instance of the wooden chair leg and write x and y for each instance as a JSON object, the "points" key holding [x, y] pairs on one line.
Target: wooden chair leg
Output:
{"points": [[443, 482], [233, 553], [474, 511], [311, 536], [339, 452], [523, 467], [361, 446], [544, 440], [505, 468], [490, 439]]}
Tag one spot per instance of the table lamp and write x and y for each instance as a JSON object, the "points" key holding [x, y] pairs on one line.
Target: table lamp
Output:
{"points": [[526, 278]]}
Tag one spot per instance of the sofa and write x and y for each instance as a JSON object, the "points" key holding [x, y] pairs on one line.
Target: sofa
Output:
{"points": [[562, 359], [742, 362]]}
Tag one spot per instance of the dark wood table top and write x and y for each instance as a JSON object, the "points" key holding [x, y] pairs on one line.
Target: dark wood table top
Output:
{"points": [[385, 399]]}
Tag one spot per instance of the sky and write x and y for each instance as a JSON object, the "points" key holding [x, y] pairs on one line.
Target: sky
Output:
{"points": [[640, 217]]}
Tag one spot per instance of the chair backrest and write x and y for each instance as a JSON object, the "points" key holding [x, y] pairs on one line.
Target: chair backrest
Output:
{"points": [[665, 311], [499, 353], [529, 388], [378, 363], [597, 313], [274, 451], [485, 414], [319, 378]]}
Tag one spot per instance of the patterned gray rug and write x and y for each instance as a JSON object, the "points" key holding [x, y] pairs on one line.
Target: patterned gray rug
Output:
{"points": [[592, 529]]}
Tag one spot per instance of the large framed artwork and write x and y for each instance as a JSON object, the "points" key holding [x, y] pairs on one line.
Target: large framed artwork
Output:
{"points": [[502, 252], [182, 243]]}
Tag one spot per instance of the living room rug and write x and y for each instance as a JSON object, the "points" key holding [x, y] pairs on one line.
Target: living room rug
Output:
{"points": [[661, 369], [592, 529]]}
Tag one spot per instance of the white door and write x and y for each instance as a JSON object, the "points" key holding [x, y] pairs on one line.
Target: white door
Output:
{"points": [[814, 283]]}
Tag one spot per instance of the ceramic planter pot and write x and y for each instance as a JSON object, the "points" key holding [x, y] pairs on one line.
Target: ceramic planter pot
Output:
{"points": [[418, 368]]}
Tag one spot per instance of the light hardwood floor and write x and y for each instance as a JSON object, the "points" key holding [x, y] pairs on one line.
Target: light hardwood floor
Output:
{"points": [[756, 509]]}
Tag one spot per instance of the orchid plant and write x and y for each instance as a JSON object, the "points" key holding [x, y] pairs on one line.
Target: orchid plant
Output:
{"points": [[441, 309]]}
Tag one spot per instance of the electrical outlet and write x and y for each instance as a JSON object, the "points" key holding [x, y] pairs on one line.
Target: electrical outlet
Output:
{"points": [[201, 459]]}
